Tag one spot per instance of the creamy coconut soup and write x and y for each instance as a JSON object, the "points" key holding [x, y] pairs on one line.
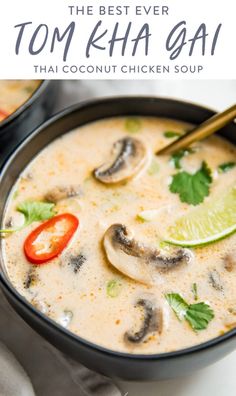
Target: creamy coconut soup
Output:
{"points": [[13, 93], [103, 236]]}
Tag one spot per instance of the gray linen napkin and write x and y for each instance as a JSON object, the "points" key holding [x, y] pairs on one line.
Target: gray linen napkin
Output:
{"points": [[13, 379], [91, 382], [51, 372]]}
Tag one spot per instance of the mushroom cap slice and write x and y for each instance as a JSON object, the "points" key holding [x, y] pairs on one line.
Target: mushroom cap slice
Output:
{"points": [[136, 260], [130, 157], [152, 321], [59, 193]]}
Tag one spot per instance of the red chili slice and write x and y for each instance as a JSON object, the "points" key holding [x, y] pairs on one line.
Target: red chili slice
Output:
{"points": [[3, 114], [49, 239]]}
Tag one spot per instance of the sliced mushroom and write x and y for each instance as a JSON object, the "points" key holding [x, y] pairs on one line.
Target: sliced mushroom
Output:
{"points": [[229, 263], [152, 321], [9, 223], [130, 157], [136, 260], [62, 192], [76, 262], [31, 278], [215, 280], [232, 309]]}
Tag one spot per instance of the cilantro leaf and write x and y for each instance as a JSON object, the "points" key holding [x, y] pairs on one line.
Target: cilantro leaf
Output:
{"points": [[113, 288], [133, 124], [177, 156], [197, 315], [33, 211], [171, 134], [178, 304], [226, 166], [192, 188], [36, 211]]}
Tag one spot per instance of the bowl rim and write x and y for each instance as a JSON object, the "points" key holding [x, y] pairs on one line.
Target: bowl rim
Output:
{"points": [[34, 96], [47, 320]]}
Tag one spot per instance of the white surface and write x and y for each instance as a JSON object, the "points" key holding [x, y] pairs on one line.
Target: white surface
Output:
{"points": [[49, 376], [216, 380], [56, 13], [215, 94]]}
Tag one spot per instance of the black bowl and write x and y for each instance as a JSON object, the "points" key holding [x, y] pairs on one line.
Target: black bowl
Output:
{"points": [[27, 117], [110, 363]]}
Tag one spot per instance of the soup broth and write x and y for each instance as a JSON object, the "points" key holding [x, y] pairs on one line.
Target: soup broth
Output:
{"points": [[13, 93], [98, 288]]}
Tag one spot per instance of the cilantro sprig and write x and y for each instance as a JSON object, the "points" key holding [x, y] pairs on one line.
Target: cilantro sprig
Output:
{"points": [[197, 315], [177, 303], [226, 166], [171, 134], [33, 211], [36, 211], [192, 188], [177, 156]]}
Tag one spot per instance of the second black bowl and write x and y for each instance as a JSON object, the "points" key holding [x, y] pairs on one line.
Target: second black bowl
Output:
{"points": [[28, 116]]}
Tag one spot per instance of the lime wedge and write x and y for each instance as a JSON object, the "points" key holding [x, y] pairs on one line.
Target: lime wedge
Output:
{"points": [[208, 223]]}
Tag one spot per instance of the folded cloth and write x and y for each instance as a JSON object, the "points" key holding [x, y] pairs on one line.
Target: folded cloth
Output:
{"points": [[51, 372], [90, 382], [13, 379]]}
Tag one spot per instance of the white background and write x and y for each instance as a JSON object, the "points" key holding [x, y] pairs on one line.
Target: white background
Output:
{"points": [[56, 13]]}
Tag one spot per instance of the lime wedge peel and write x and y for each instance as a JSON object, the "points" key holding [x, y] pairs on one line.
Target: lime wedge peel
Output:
{"points": [[202, 242], [206, 224]]}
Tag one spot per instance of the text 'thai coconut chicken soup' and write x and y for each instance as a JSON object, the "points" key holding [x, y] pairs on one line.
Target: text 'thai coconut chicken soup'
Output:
{"points": [[129, 250]]}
